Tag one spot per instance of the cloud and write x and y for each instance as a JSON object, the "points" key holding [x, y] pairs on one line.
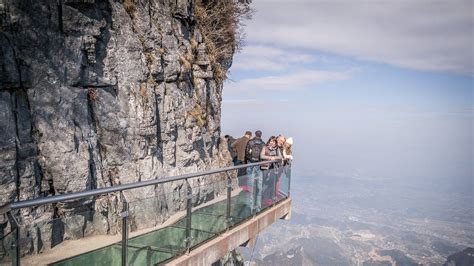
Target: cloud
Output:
{"points": [[434, 35], [268, 58], [293, 81], [248, 102], [240, 102]]}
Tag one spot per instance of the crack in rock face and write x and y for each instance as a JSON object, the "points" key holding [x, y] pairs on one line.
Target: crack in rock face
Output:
{"points": [[94, 94]]}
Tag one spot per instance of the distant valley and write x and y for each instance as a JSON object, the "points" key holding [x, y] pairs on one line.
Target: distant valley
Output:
{"points": [[346, 221]]}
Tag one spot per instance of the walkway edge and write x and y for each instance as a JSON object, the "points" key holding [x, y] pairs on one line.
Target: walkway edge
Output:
{"points": [[218, 247]]}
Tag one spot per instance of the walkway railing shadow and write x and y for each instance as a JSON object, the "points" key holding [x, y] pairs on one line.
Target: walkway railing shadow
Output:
{"points": [[245, 196]]}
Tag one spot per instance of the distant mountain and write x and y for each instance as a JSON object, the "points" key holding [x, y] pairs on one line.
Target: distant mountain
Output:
{"points": [[377, 263], [399, 257], [292, 257], [308, 251], [462, 258]]}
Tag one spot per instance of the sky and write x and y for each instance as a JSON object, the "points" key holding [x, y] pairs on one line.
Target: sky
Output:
{"points": [[368, 89]]}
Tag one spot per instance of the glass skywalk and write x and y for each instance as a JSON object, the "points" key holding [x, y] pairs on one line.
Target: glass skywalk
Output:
{"points": [[246, 197]]}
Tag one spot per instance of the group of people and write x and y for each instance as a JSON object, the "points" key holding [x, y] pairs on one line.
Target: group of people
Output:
{"points": [[247, 150], [251, 150]]}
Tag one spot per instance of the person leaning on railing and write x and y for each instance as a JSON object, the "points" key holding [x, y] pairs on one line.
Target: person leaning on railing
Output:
{"points": [[284, 146], [280, 143], [287, 157], [268, 153], [287, 149]]}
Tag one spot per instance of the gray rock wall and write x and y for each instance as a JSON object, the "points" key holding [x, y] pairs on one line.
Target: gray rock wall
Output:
{"points": [[96, 93]]}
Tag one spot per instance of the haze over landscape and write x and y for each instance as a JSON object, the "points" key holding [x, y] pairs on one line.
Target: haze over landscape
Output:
{"points": [[114, 116], [379, 99]]}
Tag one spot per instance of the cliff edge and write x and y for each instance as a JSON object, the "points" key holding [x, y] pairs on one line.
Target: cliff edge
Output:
{"points": [[96, 93]]}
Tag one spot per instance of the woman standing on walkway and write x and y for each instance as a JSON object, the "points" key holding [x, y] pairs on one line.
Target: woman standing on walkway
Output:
{"points": [[269, 152]]}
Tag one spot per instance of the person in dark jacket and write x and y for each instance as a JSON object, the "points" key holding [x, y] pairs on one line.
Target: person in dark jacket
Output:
{"points": [[232, 152], [254, 147], [254, 173]]}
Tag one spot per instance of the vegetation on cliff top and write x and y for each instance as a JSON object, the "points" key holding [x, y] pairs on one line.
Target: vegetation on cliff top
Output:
{"points": [[221, 24]]}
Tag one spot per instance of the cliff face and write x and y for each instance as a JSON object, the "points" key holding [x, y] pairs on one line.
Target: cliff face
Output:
{"points": [[96, 93]]}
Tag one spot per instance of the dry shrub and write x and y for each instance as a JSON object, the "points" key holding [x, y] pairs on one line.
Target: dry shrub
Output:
{"points": [[149, 57], [150, 80], [195, 82], [129, 6], [143, 91], [103, 149], [221, 24], [189, 56], [194, 43], [92, 94], [184, 62], [220, 74], [198, 115]]}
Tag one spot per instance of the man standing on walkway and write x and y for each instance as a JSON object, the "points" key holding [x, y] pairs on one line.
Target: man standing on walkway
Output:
{"points": [[239, 146], [254, 174], [232, 152], [254, 147]]}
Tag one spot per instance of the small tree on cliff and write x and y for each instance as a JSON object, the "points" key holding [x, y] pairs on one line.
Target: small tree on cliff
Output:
{"points": [[221, 24]]}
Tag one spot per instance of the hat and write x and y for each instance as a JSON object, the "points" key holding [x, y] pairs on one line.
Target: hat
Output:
{"points": [[289, 141]]}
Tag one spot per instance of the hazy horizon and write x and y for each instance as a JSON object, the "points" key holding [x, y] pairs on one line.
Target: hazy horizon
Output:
{"points": [[378, 97], [357, 111]]}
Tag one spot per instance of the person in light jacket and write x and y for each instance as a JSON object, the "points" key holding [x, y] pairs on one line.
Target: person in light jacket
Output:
{"points": [[269, 152], [287, 154], [239, 146]]}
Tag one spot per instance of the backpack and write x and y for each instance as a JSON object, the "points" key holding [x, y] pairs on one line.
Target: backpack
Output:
{"points": [[254, 147]]}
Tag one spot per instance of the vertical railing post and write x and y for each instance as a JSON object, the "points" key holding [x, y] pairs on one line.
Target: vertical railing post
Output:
{"points": [[288, 175], [189, 205], [228, 218], [125, 213], [254, 190], [275, 171], [15, 247]]}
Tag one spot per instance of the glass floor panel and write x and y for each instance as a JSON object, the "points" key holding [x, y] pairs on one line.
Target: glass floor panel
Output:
{"points": [[165, 243]]}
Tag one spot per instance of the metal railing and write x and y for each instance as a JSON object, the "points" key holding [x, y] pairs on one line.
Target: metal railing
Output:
{"points": [[15, 227]]}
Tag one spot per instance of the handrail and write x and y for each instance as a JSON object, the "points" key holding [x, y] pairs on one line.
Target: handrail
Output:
{"points": [[95, 192]]}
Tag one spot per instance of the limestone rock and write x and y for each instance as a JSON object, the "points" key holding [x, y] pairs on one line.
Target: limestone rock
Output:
{"points": [[95, 95]]}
